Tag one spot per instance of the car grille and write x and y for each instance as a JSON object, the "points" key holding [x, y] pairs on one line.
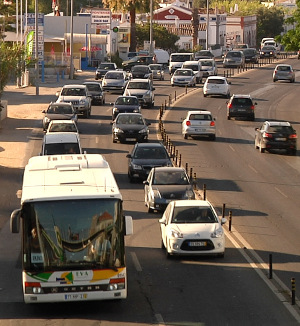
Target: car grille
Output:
{"points": [[209, 245], [74, 102]]}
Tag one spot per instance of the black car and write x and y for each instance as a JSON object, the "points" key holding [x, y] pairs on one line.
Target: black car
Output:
{"points": [[165, 184], [204, 54], [128, 127], [103, 68], [144, 157], [135, 61], [276, 135], [126, 104], [251, 55], [268, 52], [95, 89], [141, 71], [58, 111], [241, 106]]}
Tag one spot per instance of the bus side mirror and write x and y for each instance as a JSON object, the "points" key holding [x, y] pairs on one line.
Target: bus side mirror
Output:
{"points": [[128, 225], [15, 221]]}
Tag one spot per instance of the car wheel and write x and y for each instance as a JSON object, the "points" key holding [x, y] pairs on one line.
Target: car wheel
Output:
{"points": [[86, 114], [130, 177], [212, 137], [255, 143], [253, 118], [228, 117], [293, 152], [114, 139], [185, 136], [204, 95], [274, 80], [162, 245], [261, 149], [221, 255]]}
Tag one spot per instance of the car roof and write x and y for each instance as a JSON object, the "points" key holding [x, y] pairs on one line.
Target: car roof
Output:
{"points": [[216, 77], [185, 69], [61, 104], [62, 121], [91, 82], [138, 66], [283, 65], [143, 80], [168, 168], [150, 145], [199, 112], [126, 96], [61, 137], [130, 113], [278, 123], [242, 95], [189, 202], [74, 86], [192, 61]]}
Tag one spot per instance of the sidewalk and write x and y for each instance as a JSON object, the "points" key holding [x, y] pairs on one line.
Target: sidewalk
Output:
{"points": [[24, 115]]}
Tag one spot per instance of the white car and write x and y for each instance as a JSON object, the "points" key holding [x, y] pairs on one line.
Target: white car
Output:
{"points": [[62, 126], [199, 123], [183, 77], [209, 67], [143, 89], [196, 67], [192, 227], [216, 85], [60, 143]]}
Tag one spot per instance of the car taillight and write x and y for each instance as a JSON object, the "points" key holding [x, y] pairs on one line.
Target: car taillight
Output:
{"points": [[267, 135], [212, 123], [188, 123], [275, 72], [229, 105], [293, 136], [252, 107]]}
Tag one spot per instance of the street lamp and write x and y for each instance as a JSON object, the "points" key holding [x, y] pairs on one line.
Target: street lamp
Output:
{"points": [[151, 52], [207, 23], [71, 44]]}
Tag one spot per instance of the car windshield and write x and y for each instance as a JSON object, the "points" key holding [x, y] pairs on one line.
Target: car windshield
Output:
{"points": [[193, 214], [106, 66], [138, 85], [183, 73], [139, 69], [130, 119], [110, 75], [191, 66], [215, 81], [170, 178], [150, 153], [62, 127], [180, 58], [93, 87], [233, 55], [57, 109], [203, 53], [73, 92], [200, 117], [268, 48], [127, 101], [155, 67]]}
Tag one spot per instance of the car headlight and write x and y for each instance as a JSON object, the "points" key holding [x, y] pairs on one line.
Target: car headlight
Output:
{"points": [[137, 110], [189, 194], [118, 130], [82, 101], [115, 110], [218, 233], [136, 167], [104, 82], [46, 119], [175, 234], [143, 131], [156, 193], [147, 95]]}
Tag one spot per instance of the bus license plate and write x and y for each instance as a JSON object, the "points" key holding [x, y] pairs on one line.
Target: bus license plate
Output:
{"points": [[197, 244], [75, 296]]}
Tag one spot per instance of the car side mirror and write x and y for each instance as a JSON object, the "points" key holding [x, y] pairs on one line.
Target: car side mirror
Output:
{"points": [[162, 221], [229, 83], [57, 94], [255, 103], [128, 156], [223, 220], [153, 88], [146, 182], [43, 111]]}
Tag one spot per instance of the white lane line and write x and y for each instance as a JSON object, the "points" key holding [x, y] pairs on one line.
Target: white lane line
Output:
{"points": [[231, 148], [97, 140], [252, 168], [282, 193], [136, 262]]}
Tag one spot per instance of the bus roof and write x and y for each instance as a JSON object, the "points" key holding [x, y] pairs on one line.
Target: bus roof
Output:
{"points": [[60, 177]]}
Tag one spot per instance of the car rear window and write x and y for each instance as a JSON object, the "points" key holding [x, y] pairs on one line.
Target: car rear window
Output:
{"points": [[234, 54], [200, 117], [61, 148], [151, 153], [216, 81], [241, 101], [283, 68], [281, 129]]}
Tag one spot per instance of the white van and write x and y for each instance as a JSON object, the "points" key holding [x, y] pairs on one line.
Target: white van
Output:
{"points": [[162, 57], [196, 67], [61, 143], [177, 59]]}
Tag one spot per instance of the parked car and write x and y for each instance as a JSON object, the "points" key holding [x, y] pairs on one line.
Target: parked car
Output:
{"points": [[276, 135], [216, 85], [199, 123], [125, 104], [144, 157], [103, 68], [251, 55], [284, 72], [268, 52], [62, 126], [141, 71], [58, 111], [165, 184], [234, 59], [196, 67], [157, 71], [129, 127], [95, 89], [61, 143], [208, 67], [204, 54], [241, 106], [192, 227], [183, 77], [143, 89], [115, 81], [137, 60], [79, 96]]}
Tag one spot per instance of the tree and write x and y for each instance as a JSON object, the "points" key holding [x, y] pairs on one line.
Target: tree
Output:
{"points": [[163, 39]]}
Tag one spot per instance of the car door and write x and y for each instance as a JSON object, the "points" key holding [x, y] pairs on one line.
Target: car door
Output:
{"points": [[148, 187], [165, 222]]}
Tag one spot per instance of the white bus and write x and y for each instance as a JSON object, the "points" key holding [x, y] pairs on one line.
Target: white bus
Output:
{"points": [[177, 59], [73, 229]]}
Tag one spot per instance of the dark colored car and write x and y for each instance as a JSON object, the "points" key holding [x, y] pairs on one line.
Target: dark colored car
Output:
{"points": [[126, 104], [204, 54], [241, 106], [141, 71], [268, 52], [95, 89], [58, 111], [144, 157], [251, 55], [276, 135], [165, 184], [129, 127], [103, 68], [138, 60]]}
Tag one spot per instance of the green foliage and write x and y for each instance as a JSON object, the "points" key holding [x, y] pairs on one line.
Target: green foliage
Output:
{"points": [[116, 59], [163, 39]]}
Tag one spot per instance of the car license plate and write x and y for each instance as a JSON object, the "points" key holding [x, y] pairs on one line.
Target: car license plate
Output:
{"points": [[76, 296], [280, 139], [241, 110], [130, 139], [197, 243], [200, 130]]}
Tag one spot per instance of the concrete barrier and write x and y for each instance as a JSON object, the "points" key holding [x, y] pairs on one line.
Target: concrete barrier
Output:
{"points": [[3, 113]]}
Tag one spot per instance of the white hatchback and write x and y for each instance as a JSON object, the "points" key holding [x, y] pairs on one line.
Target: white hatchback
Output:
{"points": [[199, 123], [192, 227], [216, 85]]}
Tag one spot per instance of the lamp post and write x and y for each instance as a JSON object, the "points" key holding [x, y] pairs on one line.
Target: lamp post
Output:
{"points": [[71, 44], [151, 52], [36, 48], [207, 23]]}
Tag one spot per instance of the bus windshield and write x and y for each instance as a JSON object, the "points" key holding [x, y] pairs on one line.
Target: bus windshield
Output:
{"points": [[73, 234]]}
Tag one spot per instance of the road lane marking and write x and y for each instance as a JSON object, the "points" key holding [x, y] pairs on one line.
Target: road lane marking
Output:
{"points": [[136, 262], [231, 148], [252, 168], [282, 193]]}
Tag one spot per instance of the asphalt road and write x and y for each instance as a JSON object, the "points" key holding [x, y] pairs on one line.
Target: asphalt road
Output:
{"points": [[211, 291]]}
